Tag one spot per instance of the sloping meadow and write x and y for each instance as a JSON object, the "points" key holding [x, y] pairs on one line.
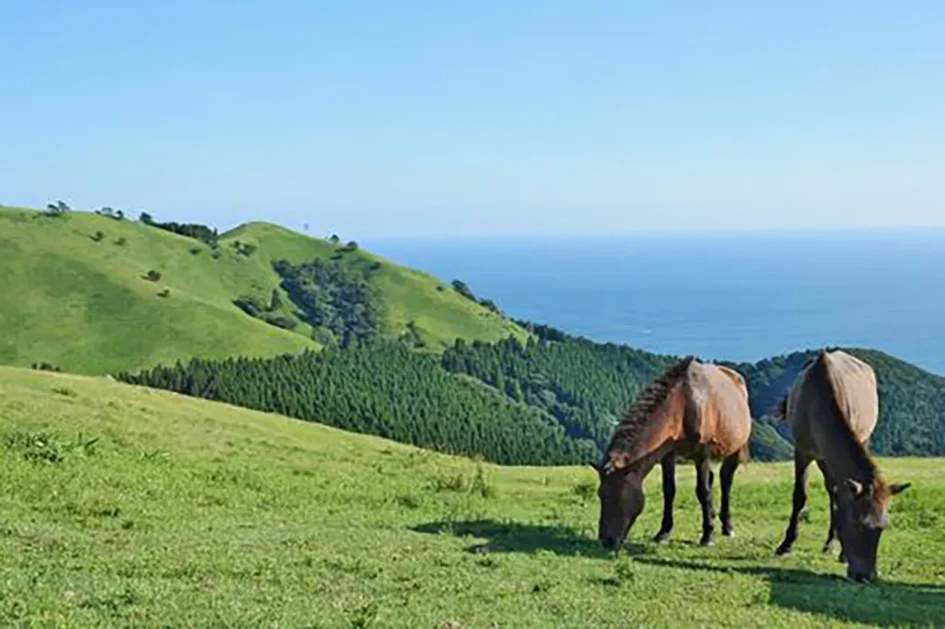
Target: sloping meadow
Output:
{"points": [[126, 505]]}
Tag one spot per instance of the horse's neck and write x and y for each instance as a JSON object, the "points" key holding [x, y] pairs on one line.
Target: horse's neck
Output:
{"points": [[848, 458], [643, 464], [655, 440]]}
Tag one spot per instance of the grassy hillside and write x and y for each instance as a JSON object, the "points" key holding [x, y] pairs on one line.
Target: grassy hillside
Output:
{"points": [[383, 389], [83, 303], [439, 313], [186, 512]]}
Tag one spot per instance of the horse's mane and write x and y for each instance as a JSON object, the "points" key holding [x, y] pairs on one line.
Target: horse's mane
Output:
{"points": [[648, 401], [780, 409]]}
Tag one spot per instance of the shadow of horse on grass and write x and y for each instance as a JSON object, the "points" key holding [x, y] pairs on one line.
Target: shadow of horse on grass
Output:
{"points": [[517, 537], [882, 602]]}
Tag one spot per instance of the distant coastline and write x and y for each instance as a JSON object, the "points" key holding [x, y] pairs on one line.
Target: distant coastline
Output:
{"points": [[733, 295]]}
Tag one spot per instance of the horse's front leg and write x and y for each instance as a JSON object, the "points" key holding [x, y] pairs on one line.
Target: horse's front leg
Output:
{"points": [[832, 495], [669, 494]]}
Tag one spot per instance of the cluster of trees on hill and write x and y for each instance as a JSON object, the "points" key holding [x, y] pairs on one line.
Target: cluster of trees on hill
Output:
{"points": [[586, 386], [118, 215], [337, 300], [59, 208], [463, 289], [381, 388], [271, 313], [197, 231]]}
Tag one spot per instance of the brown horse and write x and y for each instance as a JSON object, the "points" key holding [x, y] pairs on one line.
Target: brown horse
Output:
{"points": [[695, 411], [832, 410]]}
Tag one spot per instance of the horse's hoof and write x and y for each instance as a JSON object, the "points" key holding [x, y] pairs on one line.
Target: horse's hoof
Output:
{"points": [[728, 532], [706, 542], [782, 550], [661, 537]]}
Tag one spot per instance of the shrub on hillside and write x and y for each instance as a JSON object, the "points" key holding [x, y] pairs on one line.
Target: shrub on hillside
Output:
{"points": [[281, 321], [190, 230], [153, 275], [275, 301], [411, 336], [44, 366], [118, 215], [463, 289], [249, 305], [56, 209], [244, 248], [47, 446], [323, 336], [488, 304]]}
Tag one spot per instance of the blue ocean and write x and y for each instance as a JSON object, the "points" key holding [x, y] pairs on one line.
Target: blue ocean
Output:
{"points": [[722, 296]]}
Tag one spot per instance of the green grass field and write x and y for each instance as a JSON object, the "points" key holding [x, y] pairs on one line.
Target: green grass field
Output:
{"points": [[84, 305], [184, 512]]}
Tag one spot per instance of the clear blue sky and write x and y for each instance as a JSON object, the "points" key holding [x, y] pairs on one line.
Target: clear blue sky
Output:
{"points": [[394, 118]]}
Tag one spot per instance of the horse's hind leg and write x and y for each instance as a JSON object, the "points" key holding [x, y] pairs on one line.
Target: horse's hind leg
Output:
{"points": [[704, 479], [726, 474], [669, 494], [801, 464]]}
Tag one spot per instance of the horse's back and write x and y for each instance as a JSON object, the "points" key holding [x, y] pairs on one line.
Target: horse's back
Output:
{"points": [[854, 385], [720, 416], [834, 382]]}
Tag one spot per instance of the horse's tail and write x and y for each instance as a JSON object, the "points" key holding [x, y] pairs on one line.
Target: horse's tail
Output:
{"points": [[780, 410]]}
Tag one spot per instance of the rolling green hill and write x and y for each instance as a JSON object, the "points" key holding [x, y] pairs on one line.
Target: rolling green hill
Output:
{"points": [[76, 294], [124, 506]]}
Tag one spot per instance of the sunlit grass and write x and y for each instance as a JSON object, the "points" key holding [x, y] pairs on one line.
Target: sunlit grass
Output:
{"points": [[121, 505]]}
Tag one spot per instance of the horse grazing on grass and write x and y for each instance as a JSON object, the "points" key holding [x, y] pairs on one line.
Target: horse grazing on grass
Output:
{"points": [[832, 410], [693, 411]]}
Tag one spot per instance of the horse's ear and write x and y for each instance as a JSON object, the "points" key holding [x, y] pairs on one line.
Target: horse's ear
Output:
{"points": [[855, 487], [898, 488]]}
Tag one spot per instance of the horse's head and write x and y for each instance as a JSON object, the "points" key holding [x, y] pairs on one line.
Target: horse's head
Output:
{"points": [[621, 500], [864, 515]]}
